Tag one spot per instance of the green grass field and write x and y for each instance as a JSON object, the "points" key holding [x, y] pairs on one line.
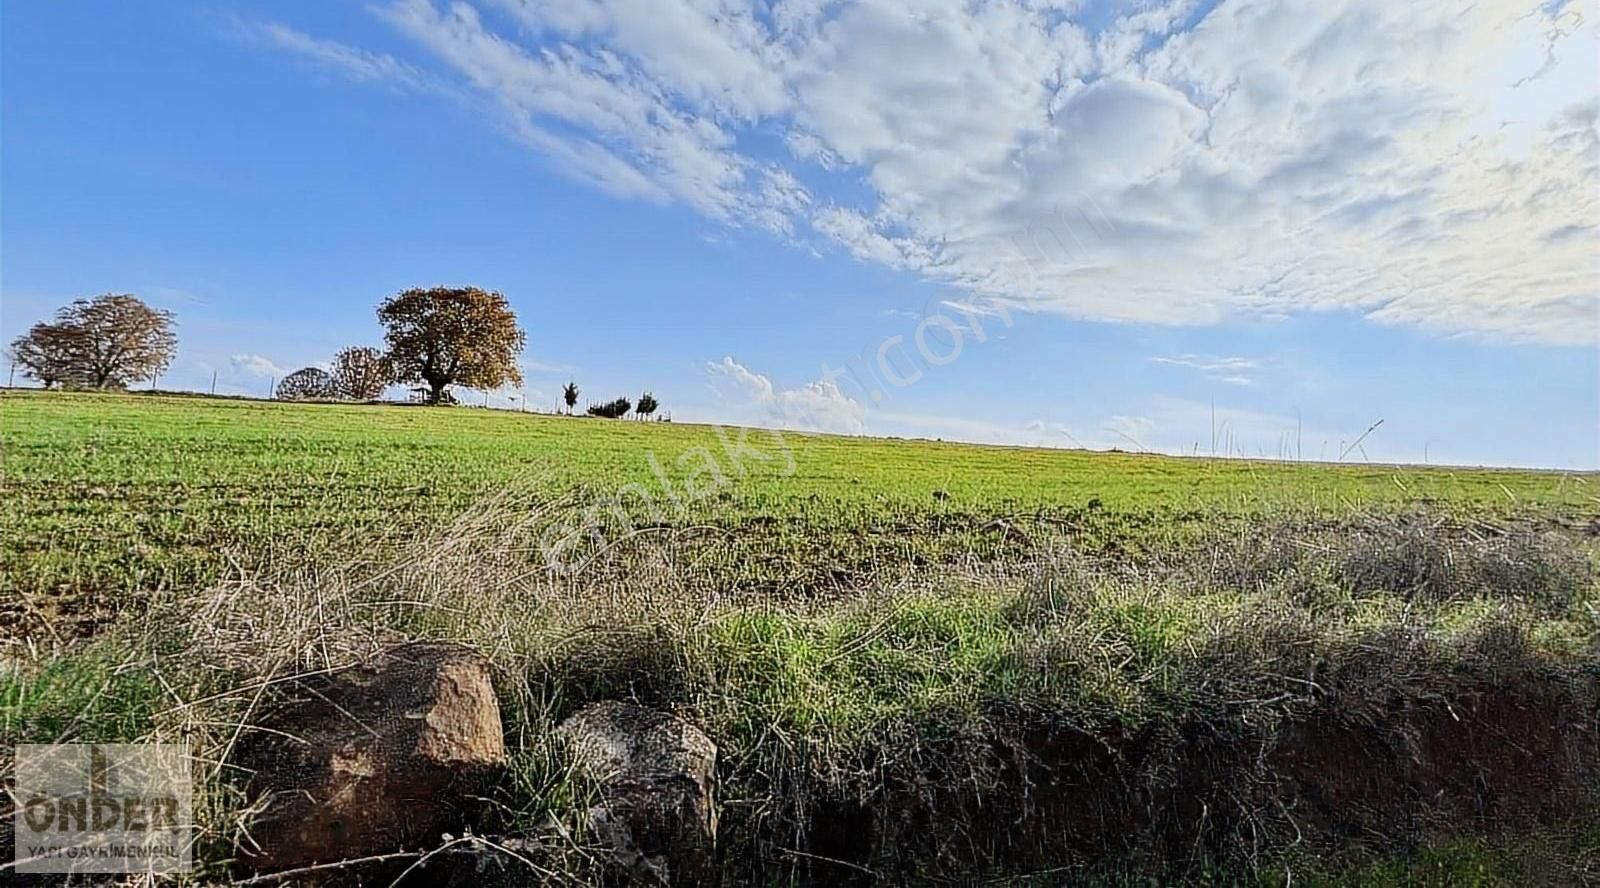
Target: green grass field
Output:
{"points": [[914, 636], [108, 497]]}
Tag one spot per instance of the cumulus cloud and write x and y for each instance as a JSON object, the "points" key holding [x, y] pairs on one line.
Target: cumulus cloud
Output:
{"points": [[255, 365], [817, 406], [1429, 164]]}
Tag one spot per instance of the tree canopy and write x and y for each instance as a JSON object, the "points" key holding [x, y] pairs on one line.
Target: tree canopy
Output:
{"points": [[611, 409], [105, 342], [444, 336], [307, 384], [45, 353], [361, 373]]}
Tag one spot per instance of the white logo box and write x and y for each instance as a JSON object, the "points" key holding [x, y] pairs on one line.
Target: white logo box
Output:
{"points": [[103, 808]]}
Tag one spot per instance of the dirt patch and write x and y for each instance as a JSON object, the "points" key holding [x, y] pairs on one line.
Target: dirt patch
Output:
{"points": [[1490, 760]]}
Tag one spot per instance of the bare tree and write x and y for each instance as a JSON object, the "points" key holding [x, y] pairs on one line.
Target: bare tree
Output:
{"points": [[306, 384], [361, 373]]}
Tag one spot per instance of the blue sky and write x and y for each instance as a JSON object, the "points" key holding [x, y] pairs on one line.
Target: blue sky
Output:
{"points": [[1174, 227]]}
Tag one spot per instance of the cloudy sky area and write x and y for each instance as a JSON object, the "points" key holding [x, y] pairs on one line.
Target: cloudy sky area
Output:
{"points": [[1253, 227]]}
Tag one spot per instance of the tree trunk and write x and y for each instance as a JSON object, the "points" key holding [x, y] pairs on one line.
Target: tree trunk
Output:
{"points": [[435, 390]]}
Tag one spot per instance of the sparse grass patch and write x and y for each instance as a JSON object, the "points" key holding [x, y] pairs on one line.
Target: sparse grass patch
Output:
{"points": [[841, 675], [1566, 853], [96, 693]]}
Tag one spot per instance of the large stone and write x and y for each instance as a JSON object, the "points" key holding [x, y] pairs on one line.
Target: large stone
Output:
{"points": [[657, 814], [378, 758]]}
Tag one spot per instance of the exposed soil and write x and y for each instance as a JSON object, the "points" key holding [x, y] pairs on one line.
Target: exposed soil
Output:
{"points": [[1031, 796]]}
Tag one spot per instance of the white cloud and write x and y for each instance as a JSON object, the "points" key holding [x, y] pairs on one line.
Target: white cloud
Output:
{"points": [[1431, 164], [1132, 429], [1033, 433], [1185, 427], [714, 55], [865, 240], [1234, 371], [749, 398], [639, 115], [1156, 424], [356, 64], [255, 365], [817, 406], [1161, 425]]}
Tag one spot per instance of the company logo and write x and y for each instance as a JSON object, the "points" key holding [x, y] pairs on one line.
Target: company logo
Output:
{"points": [[103, 808]]}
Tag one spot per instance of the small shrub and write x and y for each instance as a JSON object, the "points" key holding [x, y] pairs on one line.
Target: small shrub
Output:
{"points": [[611, 409]]}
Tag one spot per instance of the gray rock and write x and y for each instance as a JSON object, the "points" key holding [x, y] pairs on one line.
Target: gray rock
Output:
{"points": [[657, 815]]}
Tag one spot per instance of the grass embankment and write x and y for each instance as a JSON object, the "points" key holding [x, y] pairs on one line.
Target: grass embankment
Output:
{"points": [[1218, 670]]}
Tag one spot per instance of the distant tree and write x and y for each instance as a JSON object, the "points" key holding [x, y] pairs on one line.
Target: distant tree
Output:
{"points": [[105, 342], [611, 409], [45, 353], [361, 373], [570, 395], [647, 405], [446, 336], [307, 384]]}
